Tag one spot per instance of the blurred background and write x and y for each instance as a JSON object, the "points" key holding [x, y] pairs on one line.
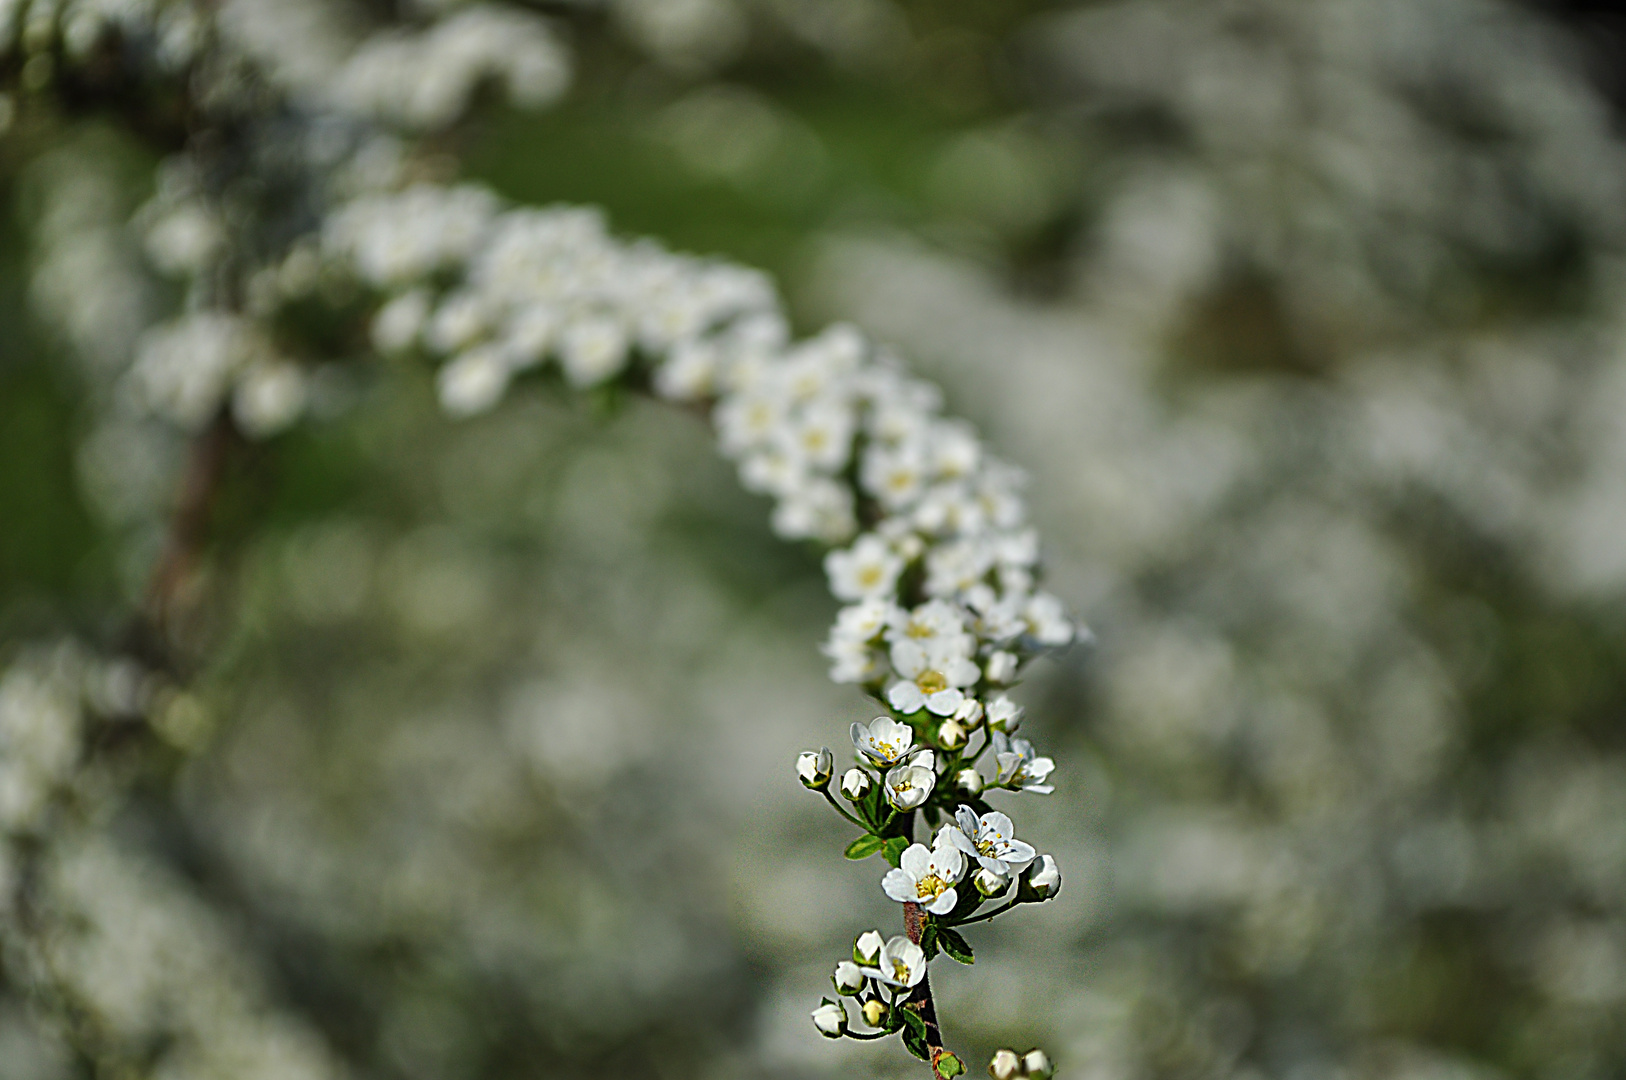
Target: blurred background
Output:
{"points": [[1308, 319]]}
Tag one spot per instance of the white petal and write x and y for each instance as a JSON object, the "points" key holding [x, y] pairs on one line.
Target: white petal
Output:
{"points": [[916, 862], [944, 702], [905, 697], [899, 886], [997, 824], [944, 903]]}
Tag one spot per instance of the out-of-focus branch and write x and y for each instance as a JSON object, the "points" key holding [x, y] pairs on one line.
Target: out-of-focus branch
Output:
{"points": [[189, 524]]}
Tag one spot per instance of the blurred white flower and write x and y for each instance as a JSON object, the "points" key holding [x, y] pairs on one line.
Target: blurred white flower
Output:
{"points": [[866, 571]]}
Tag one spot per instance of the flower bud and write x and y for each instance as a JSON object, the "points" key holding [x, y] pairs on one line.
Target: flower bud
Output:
{"points": [[1042, 879], [950, 734], [969, 714], [969, 780], [855, 784], [815, 768], [1036, 1065], [848, 979], [831, 1019], [1001, 667], [1004, 714], [867, 949], [991, 882], [874, 1011], [1005, 1066]]}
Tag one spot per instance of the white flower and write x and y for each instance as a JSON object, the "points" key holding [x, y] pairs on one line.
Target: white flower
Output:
{"points": [[969, 780], [867, 949], [1047, 621], [398, 323], [932, 679], [884, 743], [926, 876], [1005, 1065], [831, 1019], [1000, 666], [854, 662], [815, 767], [1036, 1065], [1019, 769], [951, 734], [866, 571], [865, 621], [901, 963], [990, 883], [473, 382], [855, 784], [269, 397], [1042, 880], [908, 786], [848, 978], [894, 477], [821, 435], [935, 624], [592, 349], [991, 840], [874, 1011], [1004, 714]]}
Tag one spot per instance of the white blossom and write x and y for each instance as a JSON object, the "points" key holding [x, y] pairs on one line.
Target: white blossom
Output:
{"points": [[1019, 768], [855, 784], [867, 948], [990, 840], [848, 978], [901, 963], [909, 786], [926, 876], [883, 742], [866, 571]]}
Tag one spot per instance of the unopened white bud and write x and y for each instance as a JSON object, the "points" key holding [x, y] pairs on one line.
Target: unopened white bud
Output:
{"points": [[867, 949], [969, 780], [874, 1011], [1042, 879], [815, 767], [1004, 714], [950, 734], [1036, 1065], [991, 882], [1001, 666], [969, 714], [855, 784], [847, 978], [831, 1019], [1005, 1065]]}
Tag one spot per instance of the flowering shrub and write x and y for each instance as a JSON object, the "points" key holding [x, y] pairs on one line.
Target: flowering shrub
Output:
{"points": [[930, 548]]}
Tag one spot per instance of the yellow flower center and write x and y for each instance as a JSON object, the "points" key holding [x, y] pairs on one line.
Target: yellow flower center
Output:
{"points": [[869, 575], [986, 847], [900, 971], [930, 887], [931, 682]]}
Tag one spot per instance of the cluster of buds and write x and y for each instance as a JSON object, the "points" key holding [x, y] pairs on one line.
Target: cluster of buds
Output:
{"points": [[1009, 1065]]}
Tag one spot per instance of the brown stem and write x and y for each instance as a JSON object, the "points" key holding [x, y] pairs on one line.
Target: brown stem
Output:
{"points": [[920, 998], [189, 526]]}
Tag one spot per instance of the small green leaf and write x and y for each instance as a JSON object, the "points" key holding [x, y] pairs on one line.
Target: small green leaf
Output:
{"points": [[892, 850], [955, 945], [928, 940], [865, 846], [916, 1044], [948, 1065]]}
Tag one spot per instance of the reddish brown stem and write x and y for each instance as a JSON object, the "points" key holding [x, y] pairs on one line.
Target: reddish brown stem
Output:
{"points": [[920, 998]]}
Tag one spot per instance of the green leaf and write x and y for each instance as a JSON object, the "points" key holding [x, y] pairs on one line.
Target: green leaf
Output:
{"points": [[865, 846], [916, 1044], [912, 1021], [955, 945], [949, 1065], [928, 940], [892, 850]]}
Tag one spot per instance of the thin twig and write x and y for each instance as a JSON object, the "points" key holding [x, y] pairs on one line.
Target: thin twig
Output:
{"points": [[920, 999]]}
